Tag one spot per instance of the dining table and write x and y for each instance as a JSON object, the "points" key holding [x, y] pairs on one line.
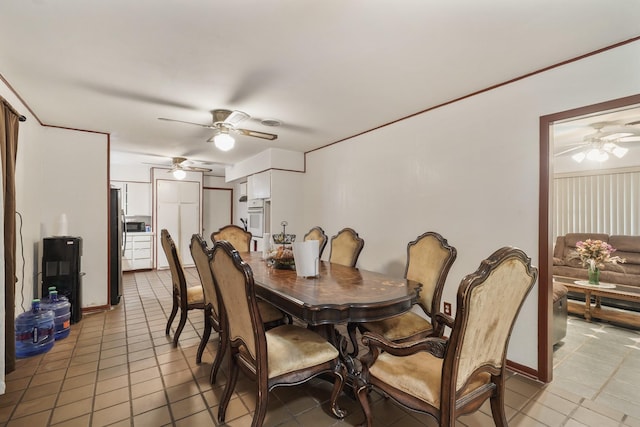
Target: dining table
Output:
{"points": [[337, 295]]}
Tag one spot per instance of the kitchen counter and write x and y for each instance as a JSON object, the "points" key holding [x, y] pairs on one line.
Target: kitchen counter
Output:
{"points": [[141, 233]]}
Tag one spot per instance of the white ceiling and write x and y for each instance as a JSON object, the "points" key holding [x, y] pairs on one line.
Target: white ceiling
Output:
{"points": [[620, 126], [327, 69]]}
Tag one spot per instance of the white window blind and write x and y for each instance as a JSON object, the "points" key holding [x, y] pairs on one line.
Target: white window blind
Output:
{"points": [[604, 202]]}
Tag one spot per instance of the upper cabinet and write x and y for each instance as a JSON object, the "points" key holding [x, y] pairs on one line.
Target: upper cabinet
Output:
{"points": [[136, 197], [259, 185]]}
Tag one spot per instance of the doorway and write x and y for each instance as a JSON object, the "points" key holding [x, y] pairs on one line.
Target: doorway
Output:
{"points": [[545, 241]]}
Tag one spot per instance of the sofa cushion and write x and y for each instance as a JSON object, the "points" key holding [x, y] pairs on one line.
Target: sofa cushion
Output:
{"points": [[572, 238], [629, 257], [573, 260], [630, 269], [558, 249], [625, 243]]}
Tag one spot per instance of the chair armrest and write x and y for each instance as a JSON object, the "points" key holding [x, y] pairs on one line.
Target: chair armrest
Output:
{"points": [[445, 319], [433, 345]]}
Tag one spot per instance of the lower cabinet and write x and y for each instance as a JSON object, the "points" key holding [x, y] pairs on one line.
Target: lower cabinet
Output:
{"points": [[138, 253]]}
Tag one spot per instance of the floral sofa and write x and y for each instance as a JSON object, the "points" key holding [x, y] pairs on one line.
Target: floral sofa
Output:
{"points": [[567, 263]]}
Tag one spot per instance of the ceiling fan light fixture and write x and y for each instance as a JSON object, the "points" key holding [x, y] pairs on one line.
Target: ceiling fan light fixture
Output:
{"points": [[619, 152], [579, 157], [223, 141], [597, 155], [179, 174]]}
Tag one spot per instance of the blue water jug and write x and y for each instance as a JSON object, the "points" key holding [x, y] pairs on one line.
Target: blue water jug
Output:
{"points": [[35, 331], [62, 313], [60, 296]]}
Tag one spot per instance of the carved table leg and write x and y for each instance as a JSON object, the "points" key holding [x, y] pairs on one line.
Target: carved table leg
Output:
{"points": [[587, 305]]}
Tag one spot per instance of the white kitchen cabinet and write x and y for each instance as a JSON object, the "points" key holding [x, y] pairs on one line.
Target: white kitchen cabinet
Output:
{"points": [[178, 212], [259, 186], [136, 197], [138, 253]]}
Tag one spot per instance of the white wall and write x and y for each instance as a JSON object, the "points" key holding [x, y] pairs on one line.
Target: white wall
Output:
{"points": [[75, 183], [59, 171], [128, 172], [63, 171], [286, 189], [468, 170]]}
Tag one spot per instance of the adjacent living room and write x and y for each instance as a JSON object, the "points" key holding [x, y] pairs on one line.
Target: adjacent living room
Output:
{"points": [[595, 196], [596, 189]]}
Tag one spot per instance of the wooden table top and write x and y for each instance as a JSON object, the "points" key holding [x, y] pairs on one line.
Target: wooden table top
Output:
{"points": [[339, 294], [618, 291]]}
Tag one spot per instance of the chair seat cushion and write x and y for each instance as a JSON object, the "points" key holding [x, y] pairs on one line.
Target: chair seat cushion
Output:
{"points": [[195, 295], [418, 374], [291, 348], [269, 313], [396, 328]]}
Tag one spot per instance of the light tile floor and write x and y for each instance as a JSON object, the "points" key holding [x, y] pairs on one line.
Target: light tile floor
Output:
{"points": [[118, 368]]}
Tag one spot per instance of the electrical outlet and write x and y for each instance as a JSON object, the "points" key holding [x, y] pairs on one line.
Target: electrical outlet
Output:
{"points": [[447, 308]]}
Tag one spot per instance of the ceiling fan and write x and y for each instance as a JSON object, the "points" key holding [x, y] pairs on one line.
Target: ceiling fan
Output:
{"points": [[605, 140], [225, 124], [179, 169]]}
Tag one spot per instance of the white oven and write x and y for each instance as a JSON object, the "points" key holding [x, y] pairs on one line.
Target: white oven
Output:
{"points": [[255, 217]]}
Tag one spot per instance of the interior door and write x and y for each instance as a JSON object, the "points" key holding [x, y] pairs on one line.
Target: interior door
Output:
{"points": [[216, 210], [178, 211], [189, 225], [169, 219]]}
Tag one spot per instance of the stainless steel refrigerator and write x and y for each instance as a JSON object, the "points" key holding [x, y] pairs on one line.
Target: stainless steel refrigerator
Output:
{"points": [[116, 224]]}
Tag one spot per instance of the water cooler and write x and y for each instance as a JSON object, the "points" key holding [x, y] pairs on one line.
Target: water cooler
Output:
{"points": [[61, 268]]}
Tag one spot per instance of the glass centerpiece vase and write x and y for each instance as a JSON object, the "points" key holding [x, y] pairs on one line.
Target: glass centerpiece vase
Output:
{"points": [[594, 273]]}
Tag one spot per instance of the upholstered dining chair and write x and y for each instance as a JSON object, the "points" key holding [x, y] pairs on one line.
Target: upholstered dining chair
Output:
{"points": [[270, 315], [447, 378], [429, 259], [201, 256], [346, 247], [237, 236], [317, 233], [185, 298], [284, 355]]}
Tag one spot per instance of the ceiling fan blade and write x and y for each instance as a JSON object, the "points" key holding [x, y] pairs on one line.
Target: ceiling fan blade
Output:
{"points": [[629, 139], [235, 118], [189, 123], [197, 169], [257, 134], [567, 150]]}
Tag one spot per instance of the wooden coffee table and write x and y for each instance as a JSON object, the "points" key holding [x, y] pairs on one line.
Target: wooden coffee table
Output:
{"points": [[608, 290]]}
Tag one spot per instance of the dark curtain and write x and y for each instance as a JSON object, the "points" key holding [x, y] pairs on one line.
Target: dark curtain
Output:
{"points": [[9, 119]]}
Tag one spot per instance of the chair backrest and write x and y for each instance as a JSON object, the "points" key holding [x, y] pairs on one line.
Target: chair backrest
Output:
{"points": [[317, 233], [488, 303], [429, 259], [240, 239], [235, 286], [346, 247], [201, 256], [175, 264]]}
